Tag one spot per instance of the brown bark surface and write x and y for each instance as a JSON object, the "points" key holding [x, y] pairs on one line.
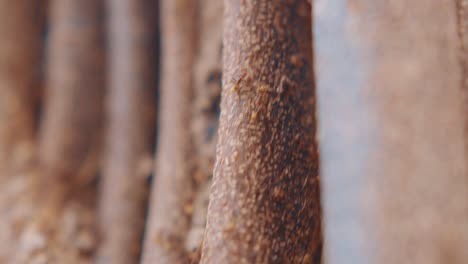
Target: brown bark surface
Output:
{"points": [[63, 230], [391, 132], [131, 106], [264, 202], [205, 115], [173, 188], [20, 49]]}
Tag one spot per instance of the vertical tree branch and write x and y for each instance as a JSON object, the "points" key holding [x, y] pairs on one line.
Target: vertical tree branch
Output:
{"points": [[75, 85], [75, 89], [173, 189], [207, 80], [69, 136], [130, 131], [20, 52], [264, 202], [392, 132], [20, 28]]}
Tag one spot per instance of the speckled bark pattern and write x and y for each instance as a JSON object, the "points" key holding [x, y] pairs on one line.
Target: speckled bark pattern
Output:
{"points": [[20, 48], [392, 122], [264, 202], [173, 188], [130, 131]]}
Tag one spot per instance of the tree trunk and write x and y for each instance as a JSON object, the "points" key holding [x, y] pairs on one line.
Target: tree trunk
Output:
{"points": [[173, 188], [264, 202], [75, 89], [392, 132], [20, 53], [19, 81], [70, 134], [130, 133]]}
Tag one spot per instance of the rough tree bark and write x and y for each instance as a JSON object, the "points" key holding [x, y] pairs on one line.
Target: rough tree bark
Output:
{"points": [[264, 202], [69, 134], [173, 188], [391, 122], [20, 49], [207, 94], [130, 132]]}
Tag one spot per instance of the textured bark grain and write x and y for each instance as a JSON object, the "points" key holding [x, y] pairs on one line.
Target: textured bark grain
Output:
{"points": [[173, 188], [130, 131], [392, 124], [264, 202], [69, 135], [205, 118], [20, 50]]}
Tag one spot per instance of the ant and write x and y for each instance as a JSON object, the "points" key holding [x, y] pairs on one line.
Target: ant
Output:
{"points": [[256, 84], [236, 84]]}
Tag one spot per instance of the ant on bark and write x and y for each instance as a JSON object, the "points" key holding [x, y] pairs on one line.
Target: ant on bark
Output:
{"points": [[236, 81]]}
